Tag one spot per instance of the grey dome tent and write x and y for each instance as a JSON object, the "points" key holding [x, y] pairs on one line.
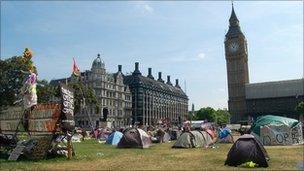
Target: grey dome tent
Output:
{"points": [[247, 149], [193, 139], [134, 138], [161, 135]]}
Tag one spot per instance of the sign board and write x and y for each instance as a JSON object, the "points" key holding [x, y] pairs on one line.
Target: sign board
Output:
{"points": [[16, 153], [42, 119], [281, 135], [297, 134], [67, 116]]}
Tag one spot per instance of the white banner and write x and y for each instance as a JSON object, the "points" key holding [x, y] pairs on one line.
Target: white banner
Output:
{"points": [[281, 135]]}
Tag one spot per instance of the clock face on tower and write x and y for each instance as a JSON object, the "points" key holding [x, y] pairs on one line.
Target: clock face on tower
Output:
{"points": [[233, 47]]}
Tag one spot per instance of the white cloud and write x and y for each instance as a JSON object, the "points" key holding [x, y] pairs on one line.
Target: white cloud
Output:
{"points": [[183, 57], [148, 8], [201, 55], [144, 7]]}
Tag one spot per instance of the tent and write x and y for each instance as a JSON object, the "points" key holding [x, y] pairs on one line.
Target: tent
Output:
{"points": [[167, 137], [225, 136], [211, 133], [227, 139], [197, 124], [247, 149], [161, 134], [174, 134], [134, 138], [193, 139], [277, 130], [114, 138]]}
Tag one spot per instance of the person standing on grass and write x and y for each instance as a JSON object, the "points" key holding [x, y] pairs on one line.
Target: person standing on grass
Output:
{"points": [[83, 133]]}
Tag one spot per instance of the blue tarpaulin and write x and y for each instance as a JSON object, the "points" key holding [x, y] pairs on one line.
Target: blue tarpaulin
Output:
{"points": [[114, 138]]}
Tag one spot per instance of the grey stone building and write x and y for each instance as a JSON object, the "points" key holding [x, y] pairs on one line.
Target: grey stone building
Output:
{"points": [[276, 98], [153, 100], [255, 99], [127, 99], [113, 95]]}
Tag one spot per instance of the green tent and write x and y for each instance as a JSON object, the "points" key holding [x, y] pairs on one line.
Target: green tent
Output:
{"points": [[193, 139], [277, 130], [272, 120]]}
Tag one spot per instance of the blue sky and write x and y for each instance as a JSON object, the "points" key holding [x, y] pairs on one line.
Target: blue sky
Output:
{"points": [[181, 39]]}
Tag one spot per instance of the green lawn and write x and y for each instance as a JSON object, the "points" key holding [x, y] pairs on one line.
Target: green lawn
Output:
{"points": [[91, 155]]}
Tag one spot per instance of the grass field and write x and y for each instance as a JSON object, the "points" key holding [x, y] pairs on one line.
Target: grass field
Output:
{"points": [[91, 155]]}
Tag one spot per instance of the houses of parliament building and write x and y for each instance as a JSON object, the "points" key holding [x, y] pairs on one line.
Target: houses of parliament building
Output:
{"points": [[129, 99], [255, 99]]}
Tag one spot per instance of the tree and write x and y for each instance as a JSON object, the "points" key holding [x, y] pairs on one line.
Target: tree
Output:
{"points": [[219, 116], [300, 109], [81, 92], [206, 113], [191, 116], [12, 78], [222, 116], [45, 92]]}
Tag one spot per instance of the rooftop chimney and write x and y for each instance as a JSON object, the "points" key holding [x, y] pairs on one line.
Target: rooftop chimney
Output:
{"points": [[136, 71], [168, 80], [150, 73], [119, 68], [160, 77], [176, 83]]}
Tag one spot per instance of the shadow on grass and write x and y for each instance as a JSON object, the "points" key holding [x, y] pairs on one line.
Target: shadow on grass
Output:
{"points": [[22, 158]]}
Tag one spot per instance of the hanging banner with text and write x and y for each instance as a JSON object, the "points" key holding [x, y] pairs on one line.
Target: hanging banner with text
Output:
{"points": [[67, 116], [281, 135]]}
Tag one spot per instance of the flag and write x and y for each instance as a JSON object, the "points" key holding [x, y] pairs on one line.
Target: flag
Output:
{"points": [[76, 70]]}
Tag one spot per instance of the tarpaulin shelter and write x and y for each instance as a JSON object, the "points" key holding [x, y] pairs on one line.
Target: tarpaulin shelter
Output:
{"points": [[277, 130]]}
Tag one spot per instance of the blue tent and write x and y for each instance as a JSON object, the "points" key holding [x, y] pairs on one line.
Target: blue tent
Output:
{"points": [[223, 133], [114, 138]]}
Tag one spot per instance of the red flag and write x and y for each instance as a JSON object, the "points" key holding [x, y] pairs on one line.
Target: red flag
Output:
{"points": [[76, 70]]}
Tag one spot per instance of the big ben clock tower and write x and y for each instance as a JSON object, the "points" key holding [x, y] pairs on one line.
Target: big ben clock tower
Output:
{"points": [[237, 69]]}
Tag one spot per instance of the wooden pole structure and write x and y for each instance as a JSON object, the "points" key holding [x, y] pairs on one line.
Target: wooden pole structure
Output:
{"points": [[69, 141]]}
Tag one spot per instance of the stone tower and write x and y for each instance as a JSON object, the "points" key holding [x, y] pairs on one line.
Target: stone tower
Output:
{"points": [[237, 69]]}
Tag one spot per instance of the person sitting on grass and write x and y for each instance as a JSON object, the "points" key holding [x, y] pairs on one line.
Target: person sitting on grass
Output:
{"points": [[160, 135], [186, 126]]}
